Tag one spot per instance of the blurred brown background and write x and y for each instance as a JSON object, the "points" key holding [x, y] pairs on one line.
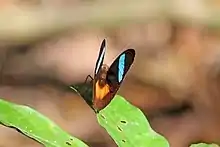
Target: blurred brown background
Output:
{"points": [[46, 45]]}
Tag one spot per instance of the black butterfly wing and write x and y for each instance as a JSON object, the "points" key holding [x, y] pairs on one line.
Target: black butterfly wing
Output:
{"points": [[119, 68], [98, 66], [100, 59], [86, 90]]}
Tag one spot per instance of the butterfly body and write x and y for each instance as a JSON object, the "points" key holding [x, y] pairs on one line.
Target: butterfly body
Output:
{"points": [[101, 76], [102, 90], [107, 80]]}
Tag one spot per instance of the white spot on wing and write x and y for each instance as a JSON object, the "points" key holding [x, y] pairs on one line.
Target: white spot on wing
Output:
{"points": [[100, 60]]}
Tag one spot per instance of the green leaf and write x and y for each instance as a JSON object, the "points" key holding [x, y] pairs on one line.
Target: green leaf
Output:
{"points": [[36, 126], [125, 123], [128, 126]]}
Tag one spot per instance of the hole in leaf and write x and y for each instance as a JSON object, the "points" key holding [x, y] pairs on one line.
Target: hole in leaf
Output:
{"points": [[123, 121], [68, 143], [119, 129], [103, 116]]}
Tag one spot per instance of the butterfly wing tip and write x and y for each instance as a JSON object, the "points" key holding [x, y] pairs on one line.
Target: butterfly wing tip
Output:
{"points": [[103, 42], [131, 50]]}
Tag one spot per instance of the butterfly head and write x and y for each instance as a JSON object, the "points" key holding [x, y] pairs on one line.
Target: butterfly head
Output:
{"points": [[102, 75]]}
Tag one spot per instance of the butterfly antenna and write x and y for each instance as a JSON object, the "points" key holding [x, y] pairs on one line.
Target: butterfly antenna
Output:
{"points": [[87, 79]]}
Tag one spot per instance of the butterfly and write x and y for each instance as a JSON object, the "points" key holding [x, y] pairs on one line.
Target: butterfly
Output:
{"points": [[102, 88]]}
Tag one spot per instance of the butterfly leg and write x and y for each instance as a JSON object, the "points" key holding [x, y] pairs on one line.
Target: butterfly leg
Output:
{"points": [[89, 76]]}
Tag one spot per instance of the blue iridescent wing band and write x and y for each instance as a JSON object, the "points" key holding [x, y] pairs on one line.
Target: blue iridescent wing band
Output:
{"points": [[119, 68]]}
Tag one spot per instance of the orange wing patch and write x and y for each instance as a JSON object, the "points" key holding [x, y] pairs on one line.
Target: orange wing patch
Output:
{"points": [[101, 92]]}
